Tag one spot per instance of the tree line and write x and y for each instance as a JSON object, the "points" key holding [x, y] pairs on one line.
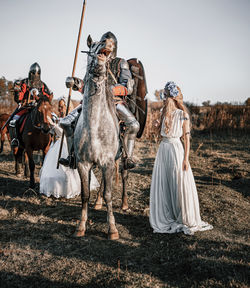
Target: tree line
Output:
{"points": [[7, 102]]}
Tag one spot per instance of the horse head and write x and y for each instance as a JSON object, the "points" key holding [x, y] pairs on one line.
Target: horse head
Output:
{"points": [[42, 110], [99, 52]]}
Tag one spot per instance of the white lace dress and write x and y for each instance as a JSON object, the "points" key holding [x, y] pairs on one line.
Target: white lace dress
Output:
{"points": [[64, 181], [174, 204]]}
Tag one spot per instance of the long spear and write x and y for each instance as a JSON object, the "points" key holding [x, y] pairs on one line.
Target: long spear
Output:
{"points": [[73, 74]]}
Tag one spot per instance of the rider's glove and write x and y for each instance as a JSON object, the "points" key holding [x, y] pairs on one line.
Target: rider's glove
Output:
{"points": [[17, 86], [75, 83], [119, 90], [69, 82]]}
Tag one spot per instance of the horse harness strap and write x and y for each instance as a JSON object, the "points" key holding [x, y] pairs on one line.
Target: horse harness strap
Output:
{"points": [[112, 75], [33, 121]]}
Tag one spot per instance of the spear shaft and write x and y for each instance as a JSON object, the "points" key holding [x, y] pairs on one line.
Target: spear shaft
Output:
{"points": [[73, 74]]}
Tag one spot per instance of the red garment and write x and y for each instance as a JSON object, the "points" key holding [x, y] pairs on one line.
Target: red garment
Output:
{"points": [[119, 90], [25, 88]]}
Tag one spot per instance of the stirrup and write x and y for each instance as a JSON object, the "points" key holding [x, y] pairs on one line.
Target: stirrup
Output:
{"points": [[65, 161], [70, 161]]}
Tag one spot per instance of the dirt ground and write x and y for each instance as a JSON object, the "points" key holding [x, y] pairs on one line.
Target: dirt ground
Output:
{"points": [[37, 248]]}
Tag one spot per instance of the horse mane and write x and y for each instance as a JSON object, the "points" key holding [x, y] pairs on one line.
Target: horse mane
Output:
{"points": [[43, 98]]}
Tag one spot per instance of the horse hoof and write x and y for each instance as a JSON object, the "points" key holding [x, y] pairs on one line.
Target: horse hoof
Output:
{"points": [[124, 207], [97, 206], [79, 233], [113, 236]]}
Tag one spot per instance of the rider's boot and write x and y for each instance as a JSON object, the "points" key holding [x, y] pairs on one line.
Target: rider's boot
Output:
{"points": [[130, 163], [69, 161], [13, 134], [132, 130], [68, 123]]}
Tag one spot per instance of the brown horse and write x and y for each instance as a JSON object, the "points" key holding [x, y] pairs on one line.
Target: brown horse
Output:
{"points": [[3, 118], [34, 137]]}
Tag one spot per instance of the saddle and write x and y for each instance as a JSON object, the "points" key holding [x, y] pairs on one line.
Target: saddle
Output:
{"points": [[23, 117], [21, 123]]}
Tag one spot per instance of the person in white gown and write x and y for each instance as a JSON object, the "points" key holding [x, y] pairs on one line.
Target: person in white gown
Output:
{"points": [[174, 204], [64, 181]]}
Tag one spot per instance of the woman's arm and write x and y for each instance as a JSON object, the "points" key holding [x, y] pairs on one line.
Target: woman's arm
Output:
{"points": [[55, 127], [186, 134]]}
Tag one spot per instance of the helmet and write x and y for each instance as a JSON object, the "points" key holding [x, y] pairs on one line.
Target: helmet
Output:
{"points": [[34, 75], [109, 35], [35, 70]]}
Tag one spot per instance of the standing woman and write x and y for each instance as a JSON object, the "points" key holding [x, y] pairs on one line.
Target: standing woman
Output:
{"points": [[174, 204]]}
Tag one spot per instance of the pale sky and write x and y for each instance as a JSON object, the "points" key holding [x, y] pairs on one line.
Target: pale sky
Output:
{"points": [[202, 45]]}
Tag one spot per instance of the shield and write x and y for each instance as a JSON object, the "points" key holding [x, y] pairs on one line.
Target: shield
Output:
{"points": [[136, 101]]}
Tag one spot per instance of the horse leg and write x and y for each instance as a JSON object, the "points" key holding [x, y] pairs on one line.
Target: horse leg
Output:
{"points": [[84, 172], [117, 173], [98, 201], [18, 154], [124, 174], [2, 140], [26, 161], [107, 194], [31, 167], [45, 151]]}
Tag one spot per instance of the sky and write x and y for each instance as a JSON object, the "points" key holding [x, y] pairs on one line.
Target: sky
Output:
{"points": [[202, 45]]}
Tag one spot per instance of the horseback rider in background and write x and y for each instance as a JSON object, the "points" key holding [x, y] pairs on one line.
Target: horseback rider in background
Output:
{"points": [[121, 84], [26, 93]]}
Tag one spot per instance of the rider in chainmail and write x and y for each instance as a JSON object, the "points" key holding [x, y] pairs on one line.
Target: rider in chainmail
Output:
{"points": [[26, 92], [121, 83]]}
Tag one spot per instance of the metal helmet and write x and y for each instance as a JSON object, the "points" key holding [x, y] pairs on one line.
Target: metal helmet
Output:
{"points": [[109, 35], [34, 75], [35, 70]]}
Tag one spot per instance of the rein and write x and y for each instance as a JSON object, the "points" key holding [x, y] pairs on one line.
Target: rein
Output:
{"points": [[33, 119]]}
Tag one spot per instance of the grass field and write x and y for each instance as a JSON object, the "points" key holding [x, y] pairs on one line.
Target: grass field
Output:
{"points": [[37, 248]]}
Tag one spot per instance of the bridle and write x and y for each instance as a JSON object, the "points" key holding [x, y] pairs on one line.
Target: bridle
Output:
{"points": [[33, 117]]}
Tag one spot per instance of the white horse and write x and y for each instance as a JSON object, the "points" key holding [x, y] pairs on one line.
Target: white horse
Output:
{"points": [[96, 139]]}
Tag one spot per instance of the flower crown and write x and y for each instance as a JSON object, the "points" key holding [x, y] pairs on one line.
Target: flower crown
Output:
{"points": [[172, 88], [63, 98]]}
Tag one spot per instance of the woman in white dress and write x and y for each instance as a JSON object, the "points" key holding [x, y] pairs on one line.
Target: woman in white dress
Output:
{"points": [[64, 181], [174, 204]]}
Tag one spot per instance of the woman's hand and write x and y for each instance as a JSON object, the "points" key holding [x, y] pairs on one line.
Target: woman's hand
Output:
{"points": [[50, 121], [185, 165]]}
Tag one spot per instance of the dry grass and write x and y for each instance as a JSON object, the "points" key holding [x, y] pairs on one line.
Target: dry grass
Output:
{"points": [[217, 118], [37, 248]]}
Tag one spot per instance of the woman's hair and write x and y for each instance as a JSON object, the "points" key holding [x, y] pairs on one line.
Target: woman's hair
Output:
{"points": [[71, 106], [170, 103]]}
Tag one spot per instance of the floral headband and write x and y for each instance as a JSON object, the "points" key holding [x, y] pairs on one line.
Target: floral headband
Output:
{"points": [[172, 88], [63, 98]]}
